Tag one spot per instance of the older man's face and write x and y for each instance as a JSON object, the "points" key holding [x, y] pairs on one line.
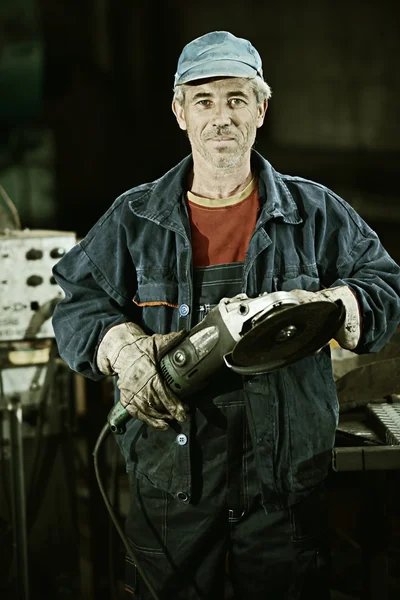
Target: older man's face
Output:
{"points": [[221, 118]]}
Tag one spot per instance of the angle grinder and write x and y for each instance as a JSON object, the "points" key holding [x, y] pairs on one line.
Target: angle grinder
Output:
{"points": [[249, 336]]}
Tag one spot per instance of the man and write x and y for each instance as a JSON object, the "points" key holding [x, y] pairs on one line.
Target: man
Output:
{"points": [[231, 481]]}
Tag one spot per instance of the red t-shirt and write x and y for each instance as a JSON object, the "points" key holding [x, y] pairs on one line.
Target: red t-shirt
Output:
{"points": [[221, 229]]}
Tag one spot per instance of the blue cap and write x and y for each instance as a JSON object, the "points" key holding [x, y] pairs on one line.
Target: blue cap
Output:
{"points": [[218, 54]]}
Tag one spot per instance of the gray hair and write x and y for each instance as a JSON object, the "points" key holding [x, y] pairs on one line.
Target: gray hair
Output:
{"points": [[260, 88]]}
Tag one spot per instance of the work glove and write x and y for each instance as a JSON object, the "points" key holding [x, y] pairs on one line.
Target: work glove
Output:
{"points": [[128, 352], [349, 333]]}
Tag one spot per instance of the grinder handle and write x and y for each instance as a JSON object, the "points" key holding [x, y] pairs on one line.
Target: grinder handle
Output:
{"points": [[117, 418]]}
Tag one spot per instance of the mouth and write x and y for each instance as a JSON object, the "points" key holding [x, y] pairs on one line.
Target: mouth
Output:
{"points": [[222, 139]]}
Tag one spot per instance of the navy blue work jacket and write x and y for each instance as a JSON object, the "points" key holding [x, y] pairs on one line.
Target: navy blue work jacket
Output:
{"points": [[136, 264]]}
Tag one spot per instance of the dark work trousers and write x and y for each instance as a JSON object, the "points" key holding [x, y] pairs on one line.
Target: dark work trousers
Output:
{"points": [[223, 539]]}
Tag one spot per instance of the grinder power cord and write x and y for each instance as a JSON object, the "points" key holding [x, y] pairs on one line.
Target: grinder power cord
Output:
{"points": [[100, 440], [246, 335]]}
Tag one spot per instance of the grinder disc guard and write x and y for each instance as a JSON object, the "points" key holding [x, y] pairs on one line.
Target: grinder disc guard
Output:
{"points": [[286, 334]]}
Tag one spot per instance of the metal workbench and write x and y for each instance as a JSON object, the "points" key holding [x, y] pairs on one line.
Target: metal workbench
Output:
{"points": [[368, 442]]}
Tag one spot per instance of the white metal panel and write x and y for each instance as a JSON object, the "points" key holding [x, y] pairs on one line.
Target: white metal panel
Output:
{"points": [[28, 292]]}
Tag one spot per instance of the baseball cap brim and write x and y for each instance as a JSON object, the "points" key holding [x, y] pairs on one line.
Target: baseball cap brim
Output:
{"points": [[216, 68]]}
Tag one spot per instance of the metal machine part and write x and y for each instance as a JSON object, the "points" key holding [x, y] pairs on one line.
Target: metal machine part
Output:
{"points": [[18, 497], [28, 291], [372, 437], [385, 420]]}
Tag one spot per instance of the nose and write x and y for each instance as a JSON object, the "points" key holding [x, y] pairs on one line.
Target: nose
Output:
{"points": [[221, 116]]}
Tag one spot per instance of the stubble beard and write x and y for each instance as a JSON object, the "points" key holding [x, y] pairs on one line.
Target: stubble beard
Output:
{"points": [[225, 159], [224, 162]]}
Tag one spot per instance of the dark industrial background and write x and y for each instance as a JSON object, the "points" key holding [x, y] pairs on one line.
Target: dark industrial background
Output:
{"points": [[85, 95]]}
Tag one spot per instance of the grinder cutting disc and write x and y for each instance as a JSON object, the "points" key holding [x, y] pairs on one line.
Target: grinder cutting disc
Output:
{"points": [[285, 335]]}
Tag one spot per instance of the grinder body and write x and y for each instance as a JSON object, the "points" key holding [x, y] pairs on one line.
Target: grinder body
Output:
{"points": [[187, 367]]}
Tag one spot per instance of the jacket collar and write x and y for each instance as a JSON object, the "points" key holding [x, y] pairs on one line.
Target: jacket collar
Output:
{"points": [[157, 201], [275, 196]]}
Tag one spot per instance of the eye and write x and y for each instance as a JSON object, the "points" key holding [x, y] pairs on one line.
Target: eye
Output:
{"points": [[235, 102], [205, 102]]}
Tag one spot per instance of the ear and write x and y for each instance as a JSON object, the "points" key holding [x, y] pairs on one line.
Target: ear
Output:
{"points": [[179, 113], [262, 109]]}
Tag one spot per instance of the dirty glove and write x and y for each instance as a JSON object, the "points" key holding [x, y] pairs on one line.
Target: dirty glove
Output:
{"points": [[127, 351], [348, 335]]}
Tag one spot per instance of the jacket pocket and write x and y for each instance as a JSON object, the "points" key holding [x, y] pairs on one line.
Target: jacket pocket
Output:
{"points": [[162, 458], [146, 523], [158, 287], [157, 296]]}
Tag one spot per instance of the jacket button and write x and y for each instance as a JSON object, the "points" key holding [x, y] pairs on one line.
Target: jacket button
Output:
{"points": [[182, 496], [181, 439], [184, 310]]}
